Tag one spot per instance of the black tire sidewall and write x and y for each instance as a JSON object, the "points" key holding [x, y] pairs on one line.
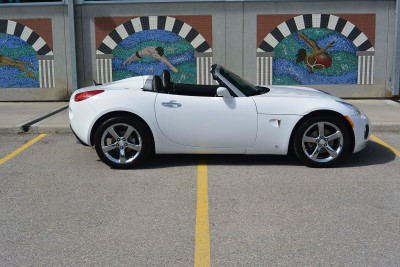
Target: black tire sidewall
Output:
{"points": [[144, 135], [298, 146]]}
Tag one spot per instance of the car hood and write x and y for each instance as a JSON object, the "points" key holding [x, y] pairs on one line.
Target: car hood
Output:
{"points": [[296, 91], [295, 100], [129, 83]]}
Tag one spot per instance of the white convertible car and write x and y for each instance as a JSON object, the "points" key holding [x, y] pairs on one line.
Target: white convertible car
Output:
{"points": [[130, 119]]}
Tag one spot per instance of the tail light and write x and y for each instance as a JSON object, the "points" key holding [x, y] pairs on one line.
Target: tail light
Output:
{"points": [[86, 95]]}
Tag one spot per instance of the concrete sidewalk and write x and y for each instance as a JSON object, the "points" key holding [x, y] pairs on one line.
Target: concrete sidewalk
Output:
{"points": [[52, 117], [19, 117], [384, 114]]}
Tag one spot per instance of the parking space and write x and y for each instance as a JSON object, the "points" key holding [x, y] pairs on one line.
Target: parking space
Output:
{"points": [[11, 142], [61, 205], [390, 138], [275, 212]]}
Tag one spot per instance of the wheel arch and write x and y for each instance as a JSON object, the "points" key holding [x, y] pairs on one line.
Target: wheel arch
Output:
{"points": [[319, 113], [112, 114]]}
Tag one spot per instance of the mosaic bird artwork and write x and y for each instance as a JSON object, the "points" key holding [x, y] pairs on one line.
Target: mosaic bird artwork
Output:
{"points": [[319, 59]]}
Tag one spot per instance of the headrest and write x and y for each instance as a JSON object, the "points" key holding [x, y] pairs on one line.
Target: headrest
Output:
{"points": [[166, 80], [156, 84]]}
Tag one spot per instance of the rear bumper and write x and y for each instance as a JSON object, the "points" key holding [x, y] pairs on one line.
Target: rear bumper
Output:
{"points": [[77, 137], [82, 116]]}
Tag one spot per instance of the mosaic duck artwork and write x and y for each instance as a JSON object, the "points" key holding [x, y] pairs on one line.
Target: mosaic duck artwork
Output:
{"points": [[299, 58], [319, 59]]}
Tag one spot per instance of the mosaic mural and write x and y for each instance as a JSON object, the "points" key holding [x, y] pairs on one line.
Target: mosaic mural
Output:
{"points": [[315, 49], [299, 59], [26, 59], [18, 64], [149, 45], [152, 51]]}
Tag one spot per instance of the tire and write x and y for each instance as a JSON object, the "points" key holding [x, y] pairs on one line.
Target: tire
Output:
{"points": [[322, 141], [123, 143]]}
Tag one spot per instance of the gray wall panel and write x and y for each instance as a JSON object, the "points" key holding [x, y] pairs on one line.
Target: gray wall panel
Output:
{"points": [[234, 38], [383, 34], [61, 62]]}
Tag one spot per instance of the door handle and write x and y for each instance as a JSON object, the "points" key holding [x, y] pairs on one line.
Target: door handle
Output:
{"points": [[171, 104]]}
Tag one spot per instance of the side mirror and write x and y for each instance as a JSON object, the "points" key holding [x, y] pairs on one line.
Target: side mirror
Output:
{"points": [[222, 91]]}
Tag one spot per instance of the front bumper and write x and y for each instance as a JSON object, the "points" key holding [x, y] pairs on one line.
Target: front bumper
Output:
{"points": [[362, 131]]}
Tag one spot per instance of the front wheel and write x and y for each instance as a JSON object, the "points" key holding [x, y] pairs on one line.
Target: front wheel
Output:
{"points": [[322, 141], [123, 142]]}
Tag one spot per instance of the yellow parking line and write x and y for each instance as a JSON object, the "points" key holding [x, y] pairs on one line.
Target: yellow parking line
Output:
{"points": [[22, 148], [202, 237], [379, 141]]}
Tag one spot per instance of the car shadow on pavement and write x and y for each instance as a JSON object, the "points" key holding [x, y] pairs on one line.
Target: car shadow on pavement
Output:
{"points": [[164, 161], [373, 154]]}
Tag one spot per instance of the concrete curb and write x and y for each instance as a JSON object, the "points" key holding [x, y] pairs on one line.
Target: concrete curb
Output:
{"points": [[49, 130], [37, 129], [385, 128], [56, 120]]}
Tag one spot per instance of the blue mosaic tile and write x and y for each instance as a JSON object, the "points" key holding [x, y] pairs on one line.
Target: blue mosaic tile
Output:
{"points": [[17, 52], [176, 49], [343, 70]]}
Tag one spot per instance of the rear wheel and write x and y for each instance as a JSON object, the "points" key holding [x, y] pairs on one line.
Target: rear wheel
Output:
{"points": [[123, 142], [322, 141]]}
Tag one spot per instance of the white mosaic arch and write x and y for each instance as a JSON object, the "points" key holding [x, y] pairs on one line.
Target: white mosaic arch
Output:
{"points": [[365, 53], [166, 23], [327, 21], [45, 55], [203, 52]]}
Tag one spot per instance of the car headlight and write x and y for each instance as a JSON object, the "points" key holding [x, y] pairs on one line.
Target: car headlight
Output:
{"points": [[353, 108]]}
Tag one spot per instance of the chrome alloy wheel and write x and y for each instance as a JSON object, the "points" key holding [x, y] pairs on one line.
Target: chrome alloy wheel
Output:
{"points": [[121, 143], [322, 142]]}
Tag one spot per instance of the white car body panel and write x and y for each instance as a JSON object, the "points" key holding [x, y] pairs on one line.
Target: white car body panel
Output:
{"points": [[129, 83], [294, 101], [207, 122], [259, 124], [273, 134], [132, 101], [359, 123]]}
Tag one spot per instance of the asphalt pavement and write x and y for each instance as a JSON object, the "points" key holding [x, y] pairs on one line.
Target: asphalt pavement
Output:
{"points": [[60, 205], [52, 117]]}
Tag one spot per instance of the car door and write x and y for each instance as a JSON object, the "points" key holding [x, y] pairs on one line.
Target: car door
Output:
{"points": [[208, 122]]}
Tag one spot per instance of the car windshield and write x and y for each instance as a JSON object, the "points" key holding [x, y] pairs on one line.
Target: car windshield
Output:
{"points": [[244, 86]]}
